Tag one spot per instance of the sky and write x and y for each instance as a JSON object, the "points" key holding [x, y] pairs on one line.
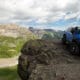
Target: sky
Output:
{"points": [[54, 14]]}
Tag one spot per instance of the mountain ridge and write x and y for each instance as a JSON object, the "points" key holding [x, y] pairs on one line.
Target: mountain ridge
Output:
{"points": [[50, 33], [13, 30]]}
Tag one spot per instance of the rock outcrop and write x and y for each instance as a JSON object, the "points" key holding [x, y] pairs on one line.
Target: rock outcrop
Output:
{"points": [[47, 60]]}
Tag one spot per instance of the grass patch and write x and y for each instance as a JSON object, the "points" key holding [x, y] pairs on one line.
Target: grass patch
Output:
{"points": [[9, 46], [9, 73]]}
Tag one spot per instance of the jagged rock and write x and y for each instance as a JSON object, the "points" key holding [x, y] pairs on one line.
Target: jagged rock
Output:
{"points": [[45, 60]]}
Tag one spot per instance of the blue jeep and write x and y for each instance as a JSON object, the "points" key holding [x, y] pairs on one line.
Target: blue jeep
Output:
{"points": [[72, 39]]}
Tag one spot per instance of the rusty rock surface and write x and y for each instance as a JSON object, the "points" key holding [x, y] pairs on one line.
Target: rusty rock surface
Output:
{"points": [[47, 60]]}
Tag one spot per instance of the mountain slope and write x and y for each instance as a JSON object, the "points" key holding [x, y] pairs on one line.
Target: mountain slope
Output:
{"points": [[12, 38], [49, 34], [14, 30]]}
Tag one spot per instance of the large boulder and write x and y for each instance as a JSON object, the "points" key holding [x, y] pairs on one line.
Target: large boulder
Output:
{"points": [[34, 53], [43, 60]]}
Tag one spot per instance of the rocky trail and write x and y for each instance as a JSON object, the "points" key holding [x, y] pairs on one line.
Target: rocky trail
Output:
{"points": [[63, 54], [48, 60]]}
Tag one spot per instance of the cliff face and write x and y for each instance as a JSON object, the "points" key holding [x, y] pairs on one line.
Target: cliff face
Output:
{"points": [[47, 60]]}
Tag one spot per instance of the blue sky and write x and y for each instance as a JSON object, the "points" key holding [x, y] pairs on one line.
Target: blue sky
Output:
{"points": [[55, 14], [60, 24]]}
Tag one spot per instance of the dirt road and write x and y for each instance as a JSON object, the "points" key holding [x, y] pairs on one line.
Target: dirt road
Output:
{"points": [[7, 62]]}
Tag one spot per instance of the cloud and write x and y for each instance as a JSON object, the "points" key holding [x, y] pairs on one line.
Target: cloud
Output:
{"points": [[72, 15], [39, 11]]}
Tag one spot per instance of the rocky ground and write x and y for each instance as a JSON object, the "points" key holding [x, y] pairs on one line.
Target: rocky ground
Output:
{"points": [[47, 60]]}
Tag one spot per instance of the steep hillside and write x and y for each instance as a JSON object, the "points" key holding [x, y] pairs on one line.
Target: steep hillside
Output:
{"points": [[12, 38], [47, 60], [52, 34]]}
